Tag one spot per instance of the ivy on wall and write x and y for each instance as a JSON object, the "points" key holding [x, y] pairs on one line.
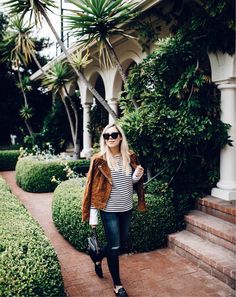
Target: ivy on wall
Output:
{"points": [[177, 129]]}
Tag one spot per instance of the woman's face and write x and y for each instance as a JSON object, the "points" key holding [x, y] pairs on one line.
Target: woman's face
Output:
{"points": [[112, 142]]}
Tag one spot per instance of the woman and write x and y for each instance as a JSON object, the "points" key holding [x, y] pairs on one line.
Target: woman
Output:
{"points": [[109, 188]]}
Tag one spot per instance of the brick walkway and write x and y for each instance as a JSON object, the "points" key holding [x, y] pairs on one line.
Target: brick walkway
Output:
{"points": [[160, 273]]}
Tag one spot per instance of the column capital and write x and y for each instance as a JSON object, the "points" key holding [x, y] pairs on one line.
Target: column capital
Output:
{"points": [[112, 100], [222, 67], [228, 84], [86, 104]]}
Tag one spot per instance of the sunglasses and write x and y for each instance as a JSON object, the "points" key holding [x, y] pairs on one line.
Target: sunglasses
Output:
{"points": [[113, 135]]}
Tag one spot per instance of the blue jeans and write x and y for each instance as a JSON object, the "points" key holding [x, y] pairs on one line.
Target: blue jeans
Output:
{"points": [[116, 226]]}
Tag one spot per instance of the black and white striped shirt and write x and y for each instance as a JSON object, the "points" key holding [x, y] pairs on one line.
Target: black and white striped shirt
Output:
{"points": [[122, 189], [121, 197]]}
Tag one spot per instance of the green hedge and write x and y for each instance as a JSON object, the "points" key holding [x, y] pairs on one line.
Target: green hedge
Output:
{"points": [[35, 175], [4, 186], [8, 159], [28, 264], [148, 230]]}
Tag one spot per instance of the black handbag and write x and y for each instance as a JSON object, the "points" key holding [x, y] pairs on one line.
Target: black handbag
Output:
{"points": [[93, 245]]}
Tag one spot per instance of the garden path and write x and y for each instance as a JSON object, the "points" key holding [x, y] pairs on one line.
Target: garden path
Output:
{"points": [[160, 273]]}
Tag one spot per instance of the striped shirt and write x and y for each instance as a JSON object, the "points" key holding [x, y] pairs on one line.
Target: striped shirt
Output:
{"points": [[121, 197], [122, 189]]}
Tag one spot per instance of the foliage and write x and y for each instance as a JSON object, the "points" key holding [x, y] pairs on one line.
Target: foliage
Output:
{"points": [[98, 120], [17, 45], [26, 112], [177, 128], [66, 213], [34, 174], [28, 263], [209, 23], [8, 159], [35, 7], [10, 121], [81, 60], [98, 21], [147, 27], [57, 76], [156, 223], [4, 187]]}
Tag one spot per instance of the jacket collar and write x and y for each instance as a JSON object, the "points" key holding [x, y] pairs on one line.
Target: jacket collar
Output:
{"points": [[102, 161]]}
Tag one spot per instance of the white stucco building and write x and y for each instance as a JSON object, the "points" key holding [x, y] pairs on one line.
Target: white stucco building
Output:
{"points": [[129, 51]]}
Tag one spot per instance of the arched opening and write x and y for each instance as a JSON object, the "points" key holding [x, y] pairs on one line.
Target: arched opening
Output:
{"points": [[98, 114], [119, 84]]}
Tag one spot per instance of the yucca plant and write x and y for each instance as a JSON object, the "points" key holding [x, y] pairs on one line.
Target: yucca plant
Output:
{"points": [[38, 9], [26, 112], [17, 47], [97, 22], [55, 80]]}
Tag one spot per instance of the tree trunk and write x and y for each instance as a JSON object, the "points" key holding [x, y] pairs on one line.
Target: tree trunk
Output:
{"points": [[22, 89], [75, 140], [70, 120], [28, 126], [78, 73], [37, 62], [76, 151], [117, 62], [120, 68]]}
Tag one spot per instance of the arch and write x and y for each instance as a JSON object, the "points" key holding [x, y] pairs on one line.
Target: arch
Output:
{"points": [[91, 73], [128, 52], [118, 82]]}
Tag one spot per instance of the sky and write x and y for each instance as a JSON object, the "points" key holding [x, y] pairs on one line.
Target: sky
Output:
{"points": [[56, 20], [45, 30]]}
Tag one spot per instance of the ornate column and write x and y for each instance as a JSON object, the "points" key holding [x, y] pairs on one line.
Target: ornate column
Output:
{"points": [[224, 75], [87, 149], [114, 105]]}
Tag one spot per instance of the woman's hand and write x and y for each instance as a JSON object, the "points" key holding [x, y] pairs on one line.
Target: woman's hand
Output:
{"points": [[139, 171]]}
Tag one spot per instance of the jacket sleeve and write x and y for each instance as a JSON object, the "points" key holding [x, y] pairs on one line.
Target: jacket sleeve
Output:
{"points": [[86, 202], [138, 186]]}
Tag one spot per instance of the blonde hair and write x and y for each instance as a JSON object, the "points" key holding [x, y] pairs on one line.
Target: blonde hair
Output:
{"points": [[124, 150]]}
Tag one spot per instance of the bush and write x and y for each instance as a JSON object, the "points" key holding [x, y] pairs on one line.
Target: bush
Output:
{"points": [[176, 130], [156, 223], [8, 159], [35, 175], [3, 186], [28, 264]]}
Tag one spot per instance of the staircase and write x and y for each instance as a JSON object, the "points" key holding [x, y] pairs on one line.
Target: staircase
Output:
{"points": [[209, 240]]}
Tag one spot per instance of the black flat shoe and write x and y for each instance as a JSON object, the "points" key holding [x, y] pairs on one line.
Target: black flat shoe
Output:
{"points": [[98, 267], [98, 270], [121, 293]]}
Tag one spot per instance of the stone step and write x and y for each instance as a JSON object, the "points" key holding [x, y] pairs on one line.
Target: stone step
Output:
{"points": [[212, 228], [216, 260], [225, 210]]}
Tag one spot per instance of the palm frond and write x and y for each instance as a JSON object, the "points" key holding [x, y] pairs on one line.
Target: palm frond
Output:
{"points": [[98, 20], [17, 44], [58, 75], [79, 60], [36, 8]]}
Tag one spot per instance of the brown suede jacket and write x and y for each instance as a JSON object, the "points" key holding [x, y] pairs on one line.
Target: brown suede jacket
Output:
{"points": [[99, 184]]}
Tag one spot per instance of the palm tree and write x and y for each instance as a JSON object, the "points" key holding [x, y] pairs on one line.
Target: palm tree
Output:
{"points": [[17, 47], [98, 21], [55, 80], [39, 9], [26, 111]]}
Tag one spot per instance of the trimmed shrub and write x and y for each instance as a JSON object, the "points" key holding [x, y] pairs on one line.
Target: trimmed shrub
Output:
{"points": [[35, 175], [148, 230], [28, 263], [8, 159], [4, 186]]}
